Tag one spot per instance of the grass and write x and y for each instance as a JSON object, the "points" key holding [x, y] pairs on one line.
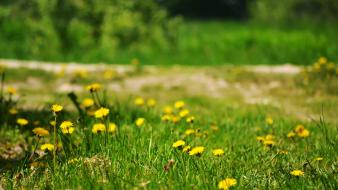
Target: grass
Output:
{"points": [[221, 42], [136, 157]]}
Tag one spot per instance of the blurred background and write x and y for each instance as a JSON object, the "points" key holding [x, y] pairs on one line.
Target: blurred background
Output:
{"points": [[159, 32]]}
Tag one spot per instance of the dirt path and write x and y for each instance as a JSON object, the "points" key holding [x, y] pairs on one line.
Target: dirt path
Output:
{"points": [[72, 66]]}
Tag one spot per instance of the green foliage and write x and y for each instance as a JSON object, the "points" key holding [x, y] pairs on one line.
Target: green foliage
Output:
{"points": [[295, 11], [53, 29]]}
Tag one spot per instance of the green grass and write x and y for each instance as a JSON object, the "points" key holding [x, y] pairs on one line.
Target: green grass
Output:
{"points": [[222, 42], [135, 157]]}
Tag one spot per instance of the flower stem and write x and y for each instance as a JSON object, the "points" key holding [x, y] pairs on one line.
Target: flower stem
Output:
{"points": [[55, 145]]}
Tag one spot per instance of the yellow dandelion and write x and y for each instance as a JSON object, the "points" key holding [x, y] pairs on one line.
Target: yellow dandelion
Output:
{"points": [[196, 151], [93, 87], [186, 148], [269, 137], [22, 121], [87, 102], [319, 159], [218, 152], [269, 121], [67, 127], [190, 119], [184, 113], [178, 144], [301, 131], [11, 90], [151, 102], [98, 128], [13, 111], [291, 134], [52, 123], [68, 130], [260, 138], [189, 132], [140, 121], [175, 119], [66, 124], [179, 104], [227, 183], [166, 118], [112, 127], [322, 60], [47, 146], [139, 101], [102, 112], [168, 110], [56, 108], [39, 131], [297, 173], [269, 143]]}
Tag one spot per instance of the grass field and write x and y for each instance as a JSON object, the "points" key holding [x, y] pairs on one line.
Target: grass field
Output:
{"points": [[205, 43], [267, 127]]}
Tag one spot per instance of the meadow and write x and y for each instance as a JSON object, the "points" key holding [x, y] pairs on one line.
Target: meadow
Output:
{"points": [[171, 127], [196, 43]]}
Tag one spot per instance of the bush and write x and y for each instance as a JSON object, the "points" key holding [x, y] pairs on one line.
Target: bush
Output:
{"points": [[51, 29]]}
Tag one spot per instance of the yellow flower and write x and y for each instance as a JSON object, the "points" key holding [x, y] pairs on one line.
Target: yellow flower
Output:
{"points": [[112, 128], [269, 120], [319, 159], [269, 137], [94, 87], [189, 132], [291, 134], [301, 131], [98, 128], [269, 143], [175, 119], [227, 183], [39, 131], [102, 112], [179, 104], [56, 108], [87, 102], [13, 111], [168, 110], [139, 101], [66, 124], [196, 151], [139, 121], [184, 113], [52, 123], [47, 146], [186, 148], [166, 118], [297, 173], [190, 119], [68, 130], [67, 127], [322, 60], [11, 90], [22, 121], [218, 152], [260, 138], [151, 102], [179, 144]]}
